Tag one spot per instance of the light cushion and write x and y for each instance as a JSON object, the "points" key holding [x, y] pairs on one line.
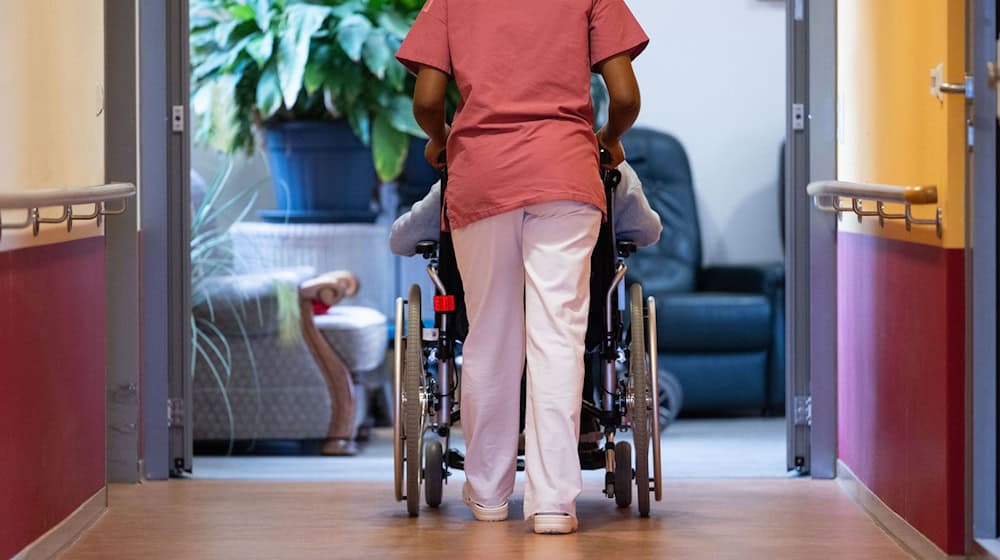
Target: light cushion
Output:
{"points": [[357, 334]]}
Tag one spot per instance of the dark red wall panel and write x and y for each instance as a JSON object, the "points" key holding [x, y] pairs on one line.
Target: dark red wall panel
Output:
{"points": [[52, 414], [901, 378]]}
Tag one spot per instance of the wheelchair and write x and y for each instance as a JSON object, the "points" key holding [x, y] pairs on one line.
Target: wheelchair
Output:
{"points": [[621, 384]]}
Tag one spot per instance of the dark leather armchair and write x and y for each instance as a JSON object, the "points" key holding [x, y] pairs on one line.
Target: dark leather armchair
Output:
{"points": [[721, 330]]}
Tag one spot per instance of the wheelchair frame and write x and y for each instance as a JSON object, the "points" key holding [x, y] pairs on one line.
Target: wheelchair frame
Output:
{"points": [[427, 403]]}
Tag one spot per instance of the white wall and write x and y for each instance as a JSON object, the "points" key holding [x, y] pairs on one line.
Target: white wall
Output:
{"points": [[52, 56], [51, 117], [714, 76]]}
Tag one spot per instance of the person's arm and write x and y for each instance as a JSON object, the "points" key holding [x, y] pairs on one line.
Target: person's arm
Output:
{"points": [[421, 223], [428, 109], [624, 106]]}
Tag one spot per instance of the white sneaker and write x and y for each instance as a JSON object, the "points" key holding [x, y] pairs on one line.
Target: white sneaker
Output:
{"points": [[554, 523], [481, 512]]}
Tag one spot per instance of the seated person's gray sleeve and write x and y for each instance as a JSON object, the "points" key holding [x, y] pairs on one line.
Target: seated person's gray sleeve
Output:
{"points": [[634, 219], [421, 223]]}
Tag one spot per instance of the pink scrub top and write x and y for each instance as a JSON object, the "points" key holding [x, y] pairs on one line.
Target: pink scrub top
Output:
{"points": [[523, 133]]}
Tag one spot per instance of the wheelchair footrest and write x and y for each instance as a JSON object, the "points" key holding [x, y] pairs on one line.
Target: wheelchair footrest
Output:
{"points": [[455, 459]]}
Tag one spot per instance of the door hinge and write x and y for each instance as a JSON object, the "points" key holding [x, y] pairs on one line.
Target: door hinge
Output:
{"points": [[803, 410], [177, 118], [175, 413], [798, 116]]}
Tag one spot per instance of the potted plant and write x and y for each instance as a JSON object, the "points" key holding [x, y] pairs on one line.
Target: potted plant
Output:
{"points": [[319, 81]]}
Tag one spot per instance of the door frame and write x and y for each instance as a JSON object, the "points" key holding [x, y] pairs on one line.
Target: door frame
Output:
{"points": [[981, 302], [810, 260], [164, 170], [121, 237]]}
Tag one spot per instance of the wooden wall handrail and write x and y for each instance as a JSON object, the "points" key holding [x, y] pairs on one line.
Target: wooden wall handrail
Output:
{"points": [[828, 195]]}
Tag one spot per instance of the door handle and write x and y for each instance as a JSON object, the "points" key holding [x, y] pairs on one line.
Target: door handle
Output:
{"points": [[939, 87]]}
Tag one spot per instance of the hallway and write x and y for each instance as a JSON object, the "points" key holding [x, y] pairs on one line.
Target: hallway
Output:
{"points": [[790, 518]]}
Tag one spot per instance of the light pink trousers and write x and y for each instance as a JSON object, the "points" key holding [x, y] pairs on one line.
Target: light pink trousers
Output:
{"points": [[527, 289]]}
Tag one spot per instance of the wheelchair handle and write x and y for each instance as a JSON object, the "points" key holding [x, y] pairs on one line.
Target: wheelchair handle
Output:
{"points": [[605, 156], [443, 170]]}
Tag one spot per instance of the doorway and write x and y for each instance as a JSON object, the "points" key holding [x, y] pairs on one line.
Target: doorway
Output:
{"points": [[733, 214]]}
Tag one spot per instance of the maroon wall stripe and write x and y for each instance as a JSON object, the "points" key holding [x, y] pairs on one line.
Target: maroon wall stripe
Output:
{"points": [[901, 378], [52, 363]]}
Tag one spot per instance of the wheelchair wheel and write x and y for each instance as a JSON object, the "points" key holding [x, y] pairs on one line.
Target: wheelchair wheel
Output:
{"points": [[623, 474], [639, 411], [433, 473], [413, 409], [398, 345]]}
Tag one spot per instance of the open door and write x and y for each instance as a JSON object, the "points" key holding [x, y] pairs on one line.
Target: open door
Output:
{"points": [[164, 171], [982, 215], [180, 400], [811, 412]]}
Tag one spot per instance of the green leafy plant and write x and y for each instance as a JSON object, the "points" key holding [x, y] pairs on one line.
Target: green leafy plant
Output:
{"points": [[213, 260], [256, 62], [212, 257]]}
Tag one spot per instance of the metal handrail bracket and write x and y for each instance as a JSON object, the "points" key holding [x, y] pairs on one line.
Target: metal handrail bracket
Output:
{"points": [[827, 197], [32, 203]]}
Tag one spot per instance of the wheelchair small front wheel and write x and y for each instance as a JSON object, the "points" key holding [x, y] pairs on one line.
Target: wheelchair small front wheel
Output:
{"points": [[413, 408], [639, 412], [433, 473], [623, 474]]}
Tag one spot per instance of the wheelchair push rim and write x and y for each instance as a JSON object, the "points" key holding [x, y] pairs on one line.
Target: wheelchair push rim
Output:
{"points": [[652, 352], [398, 346]]}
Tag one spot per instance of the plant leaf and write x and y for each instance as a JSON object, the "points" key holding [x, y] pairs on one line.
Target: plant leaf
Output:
{"points": [[347, 9], [376, 53], [293, 50], [352, 32], [210, 64], [395, 23], [224, 30], [242, 12], [260, 48], [399, 112], [313, 78], [361, 123], [395, 75], [262, 13], [268, 93], [330, 102], [389, 149]]}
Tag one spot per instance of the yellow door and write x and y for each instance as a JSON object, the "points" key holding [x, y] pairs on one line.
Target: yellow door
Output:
{"points": [[891, 128]]}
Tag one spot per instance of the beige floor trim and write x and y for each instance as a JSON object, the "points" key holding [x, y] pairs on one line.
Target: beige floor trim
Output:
{"points": [[65, 533], [986, 549], [907, 535]]}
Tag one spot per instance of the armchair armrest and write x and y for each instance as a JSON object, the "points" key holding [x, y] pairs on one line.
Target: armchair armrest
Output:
{"points": [[769, 281], [758, 279], [245, 302], [330, 288]]}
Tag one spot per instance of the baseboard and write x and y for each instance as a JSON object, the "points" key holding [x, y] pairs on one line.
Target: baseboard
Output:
{"points": [[985, 549], [65, 533], [912, 540]]}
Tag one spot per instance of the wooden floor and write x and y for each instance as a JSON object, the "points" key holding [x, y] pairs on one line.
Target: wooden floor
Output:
{"points": [[742, 519]]}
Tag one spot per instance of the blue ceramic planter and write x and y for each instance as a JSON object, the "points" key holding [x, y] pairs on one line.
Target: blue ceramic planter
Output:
{"points": [[418, 175], [321, 172]]}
